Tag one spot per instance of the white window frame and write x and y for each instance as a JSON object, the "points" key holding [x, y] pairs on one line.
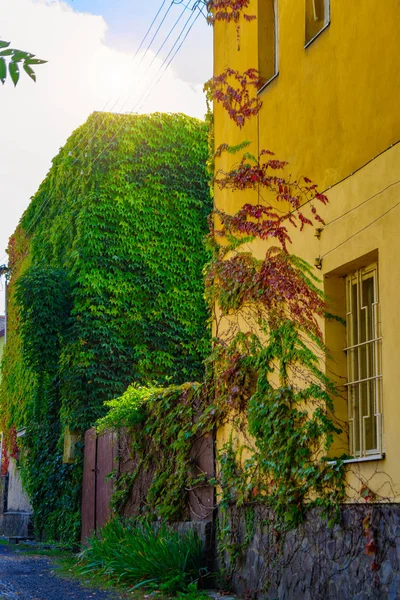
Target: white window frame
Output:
{"points": [[355, 379]]}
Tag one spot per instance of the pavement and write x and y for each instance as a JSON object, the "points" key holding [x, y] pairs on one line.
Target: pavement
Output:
{"points": [[32, 577]]}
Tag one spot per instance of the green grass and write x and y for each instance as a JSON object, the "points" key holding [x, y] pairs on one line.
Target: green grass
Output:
{"points": [[132, 560], [142, 555]]}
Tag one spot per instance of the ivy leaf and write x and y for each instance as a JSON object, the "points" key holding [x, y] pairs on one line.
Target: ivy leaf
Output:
{"points": [[35, 61], [3, 70], [13, 69], [19, 55], [30, 71]]}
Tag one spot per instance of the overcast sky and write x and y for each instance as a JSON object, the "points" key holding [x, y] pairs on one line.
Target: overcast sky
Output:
{"points": [[90, 46]]}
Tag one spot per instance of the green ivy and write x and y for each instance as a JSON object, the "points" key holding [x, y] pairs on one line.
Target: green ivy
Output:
{"points": [[164, 425], [106, 288]]}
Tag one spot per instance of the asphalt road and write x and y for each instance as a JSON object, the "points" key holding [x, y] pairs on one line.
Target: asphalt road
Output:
{"points": [[30, 577]]}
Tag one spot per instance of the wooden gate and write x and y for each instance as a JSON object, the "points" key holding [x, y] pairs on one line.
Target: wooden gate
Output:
{"points": [[200, 501], [99, 461]]}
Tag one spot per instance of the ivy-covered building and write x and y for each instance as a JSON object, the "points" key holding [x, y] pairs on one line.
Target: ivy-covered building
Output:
{"points": [[105, 290]]}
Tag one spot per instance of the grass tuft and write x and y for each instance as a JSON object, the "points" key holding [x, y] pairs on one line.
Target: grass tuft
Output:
{"points": [[143, 555]]}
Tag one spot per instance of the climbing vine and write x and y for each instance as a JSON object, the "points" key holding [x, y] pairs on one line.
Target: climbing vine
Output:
{"points": [[164, 426], [105, 288], [268, 345], [238, 101], [266, 393], [228, 10], [108, 232]]}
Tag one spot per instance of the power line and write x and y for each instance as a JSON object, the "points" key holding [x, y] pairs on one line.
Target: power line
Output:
{"points": [[360, 230], [362, 203], [195, 5], [345, 177], [45, 203], [140, 62], [155, 84], [133, 58], [129, 97]]}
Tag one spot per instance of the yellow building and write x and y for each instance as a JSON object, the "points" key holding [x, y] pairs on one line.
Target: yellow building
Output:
{"points": [[2, 333], [330, 87]]}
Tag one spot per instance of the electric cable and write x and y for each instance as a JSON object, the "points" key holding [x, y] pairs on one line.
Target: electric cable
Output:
{"points": [[169, 62], [130, 97], [154, 85], [47, 200], [140, 62], [133, 58], [346, 176], [362, 203], [166, 64], [360, 230]]}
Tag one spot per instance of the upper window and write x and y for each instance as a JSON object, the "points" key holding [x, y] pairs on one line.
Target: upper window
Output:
{"points": [[364, 368], [317, 17], [267, 40]]}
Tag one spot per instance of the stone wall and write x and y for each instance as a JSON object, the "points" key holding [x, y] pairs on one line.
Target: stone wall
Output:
{"points": [[313, 562]]}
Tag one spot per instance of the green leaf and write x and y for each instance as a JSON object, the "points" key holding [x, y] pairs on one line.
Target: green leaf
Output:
{"points": [[35, 61], [8, 52], [3, 70], [13, 69], [30, 72], [19, 55], [4, 44]]}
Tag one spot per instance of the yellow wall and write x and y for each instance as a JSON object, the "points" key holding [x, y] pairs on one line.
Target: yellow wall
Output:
{"points": [[333, 113], [1, 348]]}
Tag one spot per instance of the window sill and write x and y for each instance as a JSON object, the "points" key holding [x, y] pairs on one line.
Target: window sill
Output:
{"points": [[370, 458], [266, 84], [317, 35]]}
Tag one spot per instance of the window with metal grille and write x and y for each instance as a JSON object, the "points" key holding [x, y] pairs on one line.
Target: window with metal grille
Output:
{"points": [[364, 365], [317, 18]]}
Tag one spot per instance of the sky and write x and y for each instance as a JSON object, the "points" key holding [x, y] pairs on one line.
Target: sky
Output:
{"points": [[98, 59]]}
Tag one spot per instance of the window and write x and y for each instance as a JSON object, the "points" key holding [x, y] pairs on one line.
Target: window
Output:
{"points": [[317, 18], [364, 368], [267, 40]]}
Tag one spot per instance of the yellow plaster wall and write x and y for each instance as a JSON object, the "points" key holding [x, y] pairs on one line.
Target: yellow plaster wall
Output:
{"points": [[334, 113], [334, 104]]}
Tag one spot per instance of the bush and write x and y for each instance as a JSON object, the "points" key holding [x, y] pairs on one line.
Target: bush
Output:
{"points": [[145, 555]]}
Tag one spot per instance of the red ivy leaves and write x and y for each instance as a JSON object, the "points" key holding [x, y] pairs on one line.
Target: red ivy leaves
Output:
{"points": [[227, 10], [240, 101], [267, 221], [279, 284], [5, 461], [10, 449], [257, 221]]}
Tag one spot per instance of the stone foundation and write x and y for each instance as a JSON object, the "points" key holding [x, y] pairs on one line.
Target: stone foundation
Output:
{"points": [[313, 562], [17, 524]]}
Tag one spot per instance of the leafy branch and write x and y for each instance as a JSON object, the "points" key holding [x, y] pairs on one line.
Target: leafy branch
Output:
{"points": [[11, 59]]}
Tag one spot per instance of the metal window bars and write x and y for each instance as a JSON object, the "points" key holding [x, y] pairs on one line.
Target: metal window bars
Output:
{"points": [[364, 365]]}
